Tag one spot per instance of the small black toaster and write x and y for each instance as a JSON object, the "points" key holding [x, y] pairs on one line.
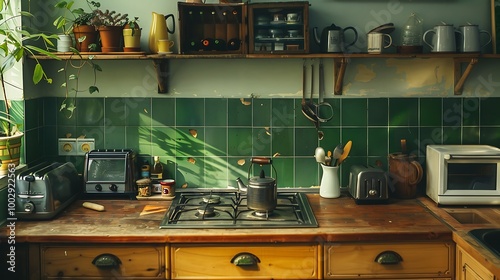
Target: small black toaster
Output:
{"points": [[368, 185]]}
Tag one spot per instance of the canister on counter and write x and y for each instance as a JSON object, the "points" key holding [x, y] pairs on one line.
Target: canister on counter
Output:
{"points": [[143, 187], [167, 187]]}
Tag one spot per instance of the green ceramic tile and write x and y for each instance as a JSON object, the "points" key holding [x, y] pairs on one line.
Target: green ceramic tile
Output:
{"points": [[34, 118], [411, 136], [331, 137], [64, 116], [215, 141], [36, 152], [95, 132], [378, 111], [452, 135], [190, 141], [307, 141], [50, 110], [490, 136], [470, 135], [239, 114], [430, 136], [115, 111], [306, 172], [163, 111], [283, 141], [283, 114], [354, 112], [377, 141], [239, 141], [300, 118], [190, 111], [358, 136], [66, 131], [114, 138], [489, 111], [284, 168], [190, 172], [216, 112], [430, 111], [163, 140], [216, 172], [138, 111], [90, 111], [138, 138], [403, 111], [261, 141], [452, 112], [236, 170], [261, 112], [48, 135], [470, 111]]}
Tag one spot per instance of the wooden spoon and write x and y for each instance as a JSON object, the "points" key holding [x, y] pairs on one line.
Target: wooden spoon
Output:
{"points": [[347, 149]]}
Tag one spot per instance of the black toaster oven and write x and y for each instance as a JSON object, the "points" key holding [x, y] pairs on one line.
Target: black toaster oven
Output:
{"points": [[110, 171]]}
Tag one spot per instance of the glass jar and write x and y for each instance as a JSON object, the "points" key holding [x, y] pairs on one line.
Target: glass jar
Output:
{"points": [[411, 40]]}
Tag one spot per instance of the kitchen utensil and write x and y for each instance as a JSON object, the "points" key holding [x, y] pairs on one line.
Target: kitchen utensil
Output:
{"points": [[330, 185], [306, 110], [443, 38], [332, 39], [368, 185], [471, 39], [406, 172], [261, 190], [337, 152], [347, 150], [377, 42], [319, 155], [328, 158]]}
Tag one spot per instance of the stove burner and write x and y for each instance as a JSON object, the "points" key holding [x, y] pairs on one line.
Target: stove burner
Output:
{"points": [[211, 199], [262, 214], [206, 212]]}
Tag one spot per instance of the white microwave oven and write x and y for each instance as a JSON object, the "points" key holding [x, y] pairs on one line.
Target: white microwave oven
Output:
{"points": [[463, 174]]}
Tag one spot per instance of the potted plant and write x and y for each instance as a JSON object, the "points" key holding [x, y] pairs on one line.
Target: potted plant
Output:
{"points": [[79, 24], [110, 25], [16, 44], [132, 36]]}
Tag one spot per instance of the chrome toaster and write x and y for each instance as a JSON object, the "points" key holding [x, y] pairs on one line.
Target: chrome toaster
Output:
{"points": [[368, 185], [44, 190]]}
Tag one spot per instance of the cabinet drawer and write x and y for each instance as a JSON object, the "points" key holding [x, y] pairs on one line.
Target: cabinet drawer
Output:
{"points": [[236, 261], [105, 262], [388, 260]]}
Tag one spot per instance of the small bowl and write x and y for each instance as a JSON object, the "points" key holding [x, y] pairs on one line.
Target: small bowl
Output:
{"points": [[293, 33], [276, 33]]}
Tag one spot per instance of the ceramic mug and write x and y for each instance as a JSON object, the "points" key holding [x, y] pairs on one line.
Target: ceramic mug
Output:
{"points": [[443, 39], [292, 17], [377, 42], [165, 45], [471, 38]]}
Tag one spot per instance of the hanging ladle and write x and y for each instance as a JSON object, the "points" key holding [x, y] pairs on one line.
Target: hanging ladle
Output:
{"points": [[308, 105]]}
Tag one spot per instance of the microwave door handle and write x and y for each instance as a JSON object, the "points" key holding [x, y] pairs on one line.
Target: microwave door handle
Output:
{"points": [[448, 157]]}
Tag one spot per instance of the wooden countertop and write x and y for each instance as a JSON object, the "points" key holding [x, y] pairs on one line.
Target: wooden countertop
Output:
{"points": [[138, 221]]}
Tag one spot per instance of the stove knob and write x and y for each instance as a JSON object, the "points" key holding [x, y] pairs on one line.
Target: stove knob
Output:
{"points": [[98, 187], [113, 187], [29, 207]]}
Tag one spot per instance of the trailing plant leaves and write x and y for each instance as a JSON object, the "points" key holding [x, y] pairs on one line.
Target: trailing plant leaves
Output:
{"points": [[93, 89], [37, 73]]}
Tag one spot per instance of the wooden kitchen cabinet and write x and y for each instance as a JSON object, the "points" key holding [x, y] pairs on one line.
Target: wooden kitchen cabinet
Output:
{"points": [[419, 260], [98, 261], [245, 261], [467, 268]]}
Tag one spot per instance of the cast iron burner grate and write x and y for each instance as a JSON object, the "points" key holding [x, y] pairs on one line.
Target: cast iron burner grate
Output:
{"points": [[228, 209]]}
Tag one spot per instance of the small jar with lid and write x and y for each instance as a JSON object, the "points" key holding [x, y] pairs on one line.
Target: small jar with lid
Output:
{"points": [[143, 187], [167, 187]]}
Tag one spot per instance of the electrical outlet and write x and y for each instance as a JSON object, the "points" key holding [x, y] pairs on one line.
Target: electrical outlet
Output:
{"points": [[67, 146], [84, 145]]}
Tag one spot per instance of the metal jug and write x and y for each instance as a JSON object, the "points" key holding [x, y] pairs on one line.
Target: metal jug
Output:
{"points": [[443, 39], [332, 39], [159, 30]]}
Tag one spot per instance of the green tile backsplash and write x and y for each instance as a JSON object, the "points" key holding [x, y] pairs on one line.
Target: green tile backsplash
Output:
{"points": [[201, 141]]}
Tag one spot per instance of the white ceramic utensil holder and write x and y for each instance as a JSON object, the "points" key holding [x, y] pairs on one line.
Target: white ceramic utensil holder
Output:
{"points": [[330, 185]]}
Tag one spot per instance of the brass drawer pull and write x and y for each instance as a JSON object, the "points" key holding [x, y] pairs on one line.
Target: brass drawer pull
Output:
{"points": [[388, 257], [245, 259], [106, 261]]}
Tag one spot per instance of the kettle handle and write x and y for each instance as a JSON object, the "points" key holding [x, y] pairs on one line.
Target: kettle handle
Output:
{"points": [[355, 36], [424, 37], [173, 23], [261, 160]]}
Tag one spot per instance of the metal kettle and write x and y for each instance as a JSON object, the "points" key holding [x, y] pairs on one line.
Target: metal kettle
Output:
{"points": [[332, 39], [262, 193]]}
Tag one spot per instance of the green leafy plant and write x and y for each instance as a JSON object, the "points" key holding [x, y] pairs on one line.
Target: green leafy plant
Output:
{"points": [[132, 24], [109, 18], [78, 15], [17, 42]]}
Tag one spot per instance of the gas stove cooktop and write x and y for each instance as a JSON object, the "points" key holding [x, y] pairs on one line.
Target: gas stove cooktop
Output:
{"points": [[228, 209]]}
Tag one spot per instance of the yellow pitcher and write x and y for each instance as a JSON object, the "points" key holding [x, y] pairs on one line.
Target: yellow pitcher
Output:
{"points": [[159, 30]]}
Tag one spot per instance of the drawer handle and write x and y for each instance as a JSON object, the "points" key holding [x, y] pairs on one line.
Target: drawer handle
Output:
{"points": [[106, 261], [388, 257], [245, 259]]}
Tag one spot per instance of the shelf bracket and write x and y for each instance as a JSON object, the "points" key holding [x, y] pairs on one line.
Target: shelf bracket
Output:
{"points": [[459, 77], [162, 67], [340, 66]]}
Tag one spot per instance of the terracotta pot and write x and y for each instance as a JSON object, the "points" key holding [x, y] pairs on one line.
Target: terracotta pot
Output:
{"points": [[111, 37], [90, 34]]}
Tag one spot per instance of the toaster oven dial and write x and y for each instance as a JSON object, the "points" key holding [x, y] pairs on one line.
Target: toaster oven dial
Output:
{"points": [[98, 187], [113, 187], [29, 207]]}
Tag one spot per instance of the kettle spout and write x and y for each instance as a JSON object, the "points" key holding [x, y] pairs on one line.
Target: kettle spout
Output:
{"points": [[316, 37], [241, 185]]}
